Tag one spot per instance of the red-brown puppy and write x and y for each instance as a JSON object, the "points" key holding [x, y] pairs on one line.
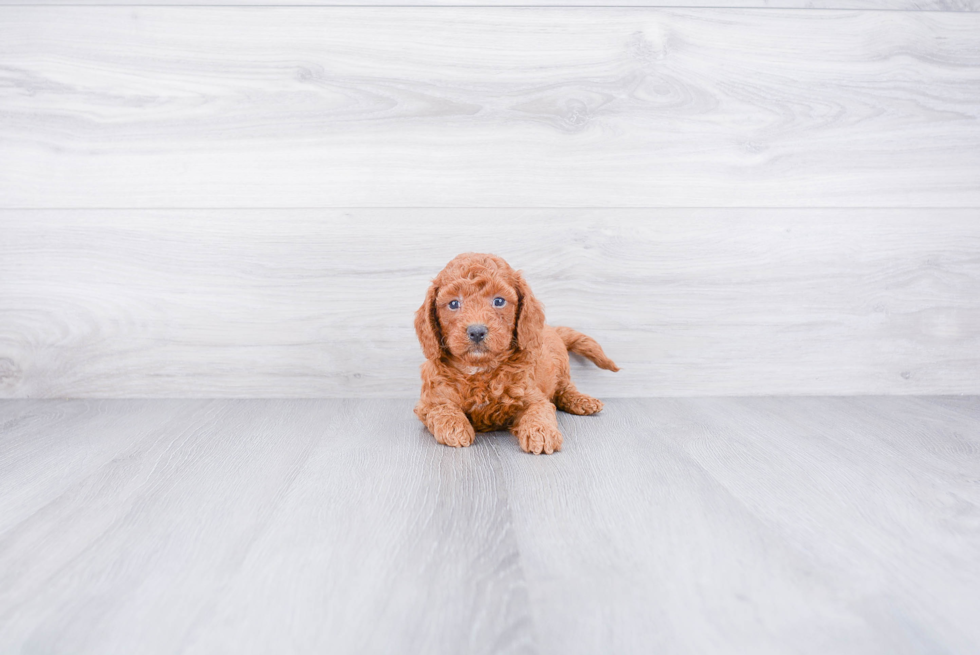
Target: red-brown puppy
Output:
{"points": [[492, 363]]}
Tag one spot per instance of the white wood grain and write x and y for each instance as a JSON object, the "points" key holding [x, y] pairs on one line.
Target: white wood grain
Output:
{"points": [[876, 5], [768, 525], [765, 525], [308, 303], [478, 106], [175, 525]]}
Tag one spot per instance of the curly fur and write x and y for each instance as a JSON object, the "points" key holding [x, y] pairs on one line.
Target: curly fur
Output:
{"points": [[516, 378]]}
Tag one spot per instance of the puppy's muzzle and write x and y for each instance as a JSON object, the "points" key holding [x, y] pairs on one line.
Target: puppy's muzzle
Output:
{"points": [[477, 332]]}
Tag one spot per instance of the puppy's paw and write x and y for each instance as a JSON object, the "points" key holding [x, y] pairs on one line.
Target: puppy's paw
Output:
{"points": [[538, 438], [579, 403], [457, 433]]}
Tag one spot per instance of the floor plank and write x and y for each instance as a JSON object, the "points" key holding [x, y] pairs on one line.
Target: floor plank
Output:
{"points": [[258, 507], [753, 525], [490, 107], [770, 525]]}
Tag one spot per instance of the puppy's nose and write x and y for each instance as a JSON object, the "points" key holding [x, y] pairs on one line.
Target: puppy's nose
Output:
{"points": [[476, 332]]}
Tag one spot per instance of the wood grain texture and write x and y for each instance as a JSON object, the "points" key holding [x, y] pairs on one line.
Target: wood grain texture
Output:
{"points": [[755, 525], [491, 107], [313, 303], [765, 525], [876, 5], [183, 515]]}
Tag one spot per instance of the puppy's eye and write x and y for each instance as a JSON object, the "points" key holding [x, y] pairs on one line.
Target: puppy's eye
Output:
{"points": [[454, 304], [499, 302]]}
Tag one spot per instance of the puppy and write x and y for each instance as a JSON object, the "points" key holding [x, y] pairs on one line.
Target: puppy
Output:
{"points": [[492, 363]]}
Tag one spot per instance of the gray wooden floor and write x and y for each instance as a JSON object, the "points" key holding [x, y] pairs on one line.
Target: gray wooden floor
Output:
{"points": [[762, 525]]}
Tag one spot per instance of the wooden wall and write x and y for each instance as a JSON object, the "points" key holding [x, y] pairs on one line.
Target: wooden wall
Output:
{"points": [[767, 198]]}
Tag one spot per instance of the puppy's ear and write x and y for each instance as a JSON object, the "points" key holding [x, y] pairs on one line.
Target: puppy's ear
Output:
{"points": [[427, 325], [530, 316]]}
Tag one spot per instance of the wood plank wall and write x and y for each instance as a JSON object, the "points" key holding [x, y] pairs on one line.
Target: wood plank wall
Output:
{"points": [[773, 197], [876, 5]]}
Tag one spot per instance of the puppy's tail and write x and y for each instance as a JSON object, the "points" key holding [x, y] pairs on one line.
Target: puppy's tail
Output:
{"points": [[576, 342]]}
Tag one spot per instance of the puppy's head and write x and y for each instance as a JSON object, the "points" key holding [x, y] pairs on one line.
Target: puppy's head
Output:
{"points": [[477, 310]]}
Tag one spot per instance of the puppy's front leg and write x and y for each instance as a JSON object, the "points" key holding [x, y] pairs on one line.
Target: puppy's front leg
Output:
{"points": [[537, 428], [448, 424]]}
